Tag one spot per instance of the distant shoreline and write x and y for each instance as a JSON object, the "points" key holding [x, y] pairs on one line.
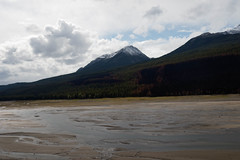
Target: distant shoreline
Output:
{"points": [[115, 101]]}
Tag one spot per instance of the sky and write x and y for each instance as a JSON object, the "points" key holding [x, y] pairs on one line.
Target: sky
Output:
{"points": [[46, 38]]}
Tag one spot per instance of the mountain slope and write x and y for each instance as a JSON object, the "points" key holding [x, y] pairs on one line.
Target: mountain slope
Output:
{"points": [[206, 64], [212, 75], [205, 45]]}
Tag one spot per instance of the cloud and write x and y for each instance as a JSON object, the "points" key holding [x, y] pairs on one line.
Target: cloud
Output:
{"points": [[150, 22], [153, 12], [214, 15], [199, 11], [111, 17], [65, 41], [4, 74], [33, 28], [10, 56], [119, 36], [142, 30], [13, 53], [158, 27]]}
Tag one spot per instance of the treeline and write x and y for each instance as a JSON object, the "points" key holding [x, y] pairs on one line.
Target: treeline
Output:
{"points": [[215, 75], [96, 90]]}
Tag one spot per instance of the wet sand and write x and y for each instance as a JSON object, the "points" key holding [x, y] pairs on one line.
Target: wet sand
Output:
{"points": [[167, 128], [24, 145], [178, 155]]}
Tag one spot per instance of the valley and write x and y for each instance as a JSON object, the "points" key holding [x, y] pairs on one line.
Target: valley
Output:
{"points": [[120, 80]]}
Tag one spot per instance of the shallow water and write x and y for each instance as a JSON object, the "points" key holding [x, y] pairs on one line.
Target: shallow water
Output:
{"points": [[148, 126]]}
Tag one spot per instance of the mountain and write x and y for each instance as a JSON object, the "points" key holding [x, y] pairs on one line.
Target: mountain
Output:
{"points": [[126, 56], [203, 46], [206, 64], [235, 30]]}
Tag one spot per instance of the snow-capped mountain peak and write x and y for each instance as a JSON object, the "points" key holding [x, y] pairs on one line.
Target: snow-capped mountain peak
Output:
{"points": [[130, 50], [235, 30], [107, 56], [127, 50], [126, 56], [206, 34]]}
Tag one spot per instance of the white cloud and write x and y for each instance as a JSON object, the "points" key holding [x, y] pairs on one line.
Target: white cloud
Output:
{"points": [[107, 17], [153, 12], [66, 42], [119, 36], [15, 52], [33, 28], [142, 30], [22, 65], [4, 74], [150, 21], [157, 27]]}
